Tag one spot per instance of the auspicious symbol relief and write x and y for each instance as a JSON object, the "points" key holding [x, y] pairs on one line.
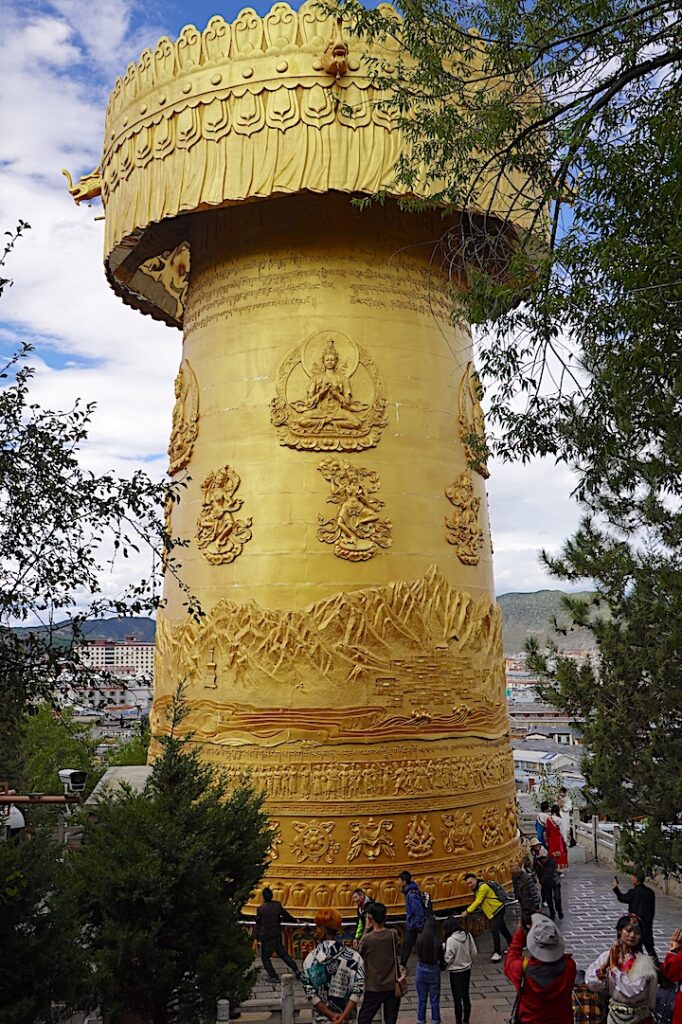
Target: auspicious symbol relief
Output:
{"points": [[458, 832], [356, 531], [371, 839], [464, 529], [419, 839], [471, 422], [317, 408], [273, 852], [220, 535], [491, 827], [185, 418], [314, 841]]}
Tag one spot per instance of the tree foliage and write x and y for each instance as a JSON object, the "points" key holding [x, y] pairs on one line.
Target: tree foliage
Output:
{"points": [[553, 126], [161, 879], [51, 741]]}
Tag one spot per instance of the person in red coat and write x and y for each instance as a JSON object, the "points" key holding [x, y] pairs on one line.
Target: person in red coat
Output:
{"points": [[671, 968], [546, 984]]}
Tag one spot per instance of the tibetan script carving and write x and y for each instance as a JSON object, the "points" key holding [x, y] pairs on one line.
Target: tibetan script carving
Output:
{"points": [[220, 535], [328, 416], [419, 839], [371, 839], [471, 422], [464, 529], [314, 841], [356, 531], [185, 418], [458, 832]]}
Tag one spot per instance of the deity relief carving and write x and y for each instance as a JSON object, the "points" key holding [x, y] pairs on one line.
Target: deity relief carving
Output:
{"points": [[491, 827], [458, 832], [464, 529], [372, 839], [511, 819], [471, 421], [356, 531], [419, 839], [185, 425], [317, 408], [314, 841], [170, 270], [220, 536]]}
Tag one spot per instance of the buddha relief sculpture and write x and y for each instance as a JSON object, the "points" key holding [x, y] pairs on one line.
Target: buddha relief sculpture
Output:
{"points": [[185, 425], [356, 531], [328, 415], [220, 536], [471, 421], [464, 530]]}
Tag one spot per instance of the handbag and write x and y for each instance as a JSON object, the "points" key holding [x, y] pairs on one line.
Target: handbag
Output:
{"points": [[400, 986], [515, 1018]]}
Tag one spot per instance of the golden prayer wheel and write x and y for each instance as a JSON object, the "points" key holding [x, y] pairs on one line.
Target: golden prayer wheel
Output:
{"points": [[350, 655]]}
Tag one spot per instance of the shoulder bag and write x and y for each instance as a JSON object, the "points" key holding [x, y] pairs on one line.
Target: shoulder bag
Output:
{"points": [[400, 986]]}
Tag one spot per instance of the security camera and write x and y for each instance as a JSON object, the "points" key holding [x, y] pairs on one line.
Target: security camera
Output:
{"points": [[72, 780]]}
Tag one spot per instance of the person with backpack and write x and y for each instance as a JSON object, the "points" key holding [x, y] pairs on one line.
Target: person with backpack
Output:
{"points": [[544, 979], [415, 913], [459, 950], [490, 898], [429, 965], [671, 969], [333, 976]]}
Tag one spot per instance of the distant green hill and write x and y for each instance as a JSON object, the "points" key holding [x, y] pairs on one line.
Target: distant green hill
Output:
{"points": [[525, 615], [117, 628]]}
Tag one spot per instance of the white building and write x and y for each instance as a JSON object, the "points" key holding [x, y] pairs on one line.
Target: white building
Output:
{"points": [[127, 657]]}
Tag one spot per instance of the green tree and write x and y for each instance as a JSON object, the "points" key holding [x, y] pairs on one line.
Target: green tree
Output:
{"points": [[132, 751], [161, 878], [554, 128], [52, 740], [42, 962]]}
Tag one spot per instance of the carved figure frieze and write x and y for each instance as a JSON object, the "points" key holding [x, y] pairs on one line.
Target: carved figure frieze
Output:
{"points": [[419, 838], [220, 535], [329, 397], [464, 530], [491, 826], [371, 839], [314, 841], [471, 421], [458, 833], [185, 426], [357, 531]]}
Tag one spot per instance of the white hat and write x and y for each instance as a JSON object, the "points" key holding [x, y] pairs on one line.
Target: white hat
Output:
{"points": [[545, 941]]}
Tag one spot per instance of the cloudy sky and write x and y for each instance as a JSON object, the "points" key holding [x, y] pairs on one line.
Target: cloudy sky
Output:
{"points": [[59, 62]]}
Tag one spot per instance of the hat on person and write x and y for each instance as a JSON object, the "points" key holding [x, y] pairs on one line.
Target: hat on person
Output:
{"points": [[545, 942], [535, 842]]}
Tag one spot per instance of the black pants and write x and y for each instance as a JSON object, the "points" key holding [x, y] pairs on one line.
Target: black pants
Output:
{"points": [[648, 938], [498, 926], [270, 946], [411, 936], [371, 1003], [551, 895], [459, 983]]}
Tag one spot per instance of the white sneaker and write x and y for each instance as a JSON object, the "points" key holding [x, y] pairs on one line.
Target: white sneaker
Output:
{"points": [[495, 958]]}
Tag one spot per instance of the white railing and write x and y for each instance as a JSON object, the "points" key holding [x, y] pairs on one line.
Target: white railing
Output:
{"points": [[600, 839]]}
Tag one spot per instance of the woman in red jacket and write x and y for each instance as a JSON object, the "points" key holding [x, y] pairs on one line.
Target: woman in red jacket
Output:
{"points": [[671, 968], [545, 978]]}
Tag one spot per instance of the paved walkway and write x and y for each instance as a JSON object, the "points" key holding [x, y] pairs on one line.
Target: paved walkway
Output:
{"points": [[590, 913]]}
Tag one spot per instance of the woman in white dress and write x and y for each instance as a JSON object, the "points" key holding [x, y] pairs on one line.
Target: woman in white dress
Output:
{"points": [[627, 974]]}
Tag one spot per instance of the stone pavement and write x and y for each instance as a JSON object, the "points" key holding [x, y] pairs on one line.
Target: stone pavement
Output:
{"points": [[590, 913]]}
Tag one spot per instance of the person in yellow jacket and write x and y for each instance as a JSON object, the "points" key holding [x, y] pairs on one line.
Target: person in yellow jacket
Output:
{"points": [[493, 908]]}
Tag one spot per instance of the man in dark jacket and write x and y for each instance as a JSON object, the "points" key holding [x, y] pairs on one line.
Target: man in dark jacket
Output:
{"points": [[546, 976], [550, 883], [641, 901], [415, 914], [526, 892], [269, 917]]}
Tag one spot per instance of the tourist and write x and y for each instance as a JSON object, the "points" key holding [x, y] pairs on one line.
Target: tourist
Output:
{"points": [[545, 978], [555, 840], [493, 908], [566, 811], [541, 822], [269, 918], [429, 965], [333, 976], [550, 883], [526, 893], [379, 951], [361, 901], [458, 952], [671, 969], [415, 914], [641, 901], [627, 975]]}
